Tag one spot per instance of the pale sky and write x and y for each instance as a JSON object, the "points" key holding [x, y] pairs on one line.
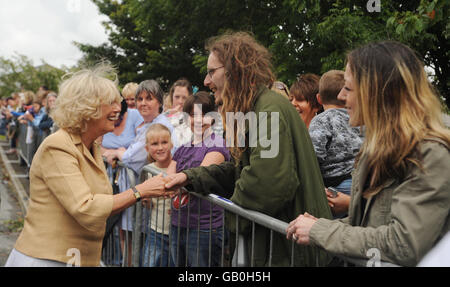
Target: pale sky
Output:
{"points": [[45, 29]]}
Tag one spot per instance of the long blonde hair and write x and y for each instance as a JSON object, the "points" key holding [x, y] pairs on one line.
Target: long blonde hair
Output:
{"points": [[247, 67], [398, 107]]}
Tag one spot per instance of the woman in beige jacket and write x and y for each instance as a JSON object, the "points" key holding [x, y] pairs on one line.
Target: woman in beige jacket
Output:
{"points": [[400, 197], [70, 194]]}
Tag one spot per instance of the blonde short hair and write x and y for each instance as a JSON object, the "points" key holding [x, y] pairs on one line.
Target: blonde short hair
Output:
{"points": [[130, 90], [81, 96], [156, 130]]}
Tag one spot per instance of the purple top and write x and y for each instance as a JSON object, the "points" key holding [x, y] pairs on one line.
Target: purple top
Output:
{"points": [[189, 156]]}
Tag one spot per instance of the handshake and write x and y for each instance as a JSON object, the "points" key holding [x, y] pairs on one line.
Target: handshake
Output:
{"points": [[159, 186]]}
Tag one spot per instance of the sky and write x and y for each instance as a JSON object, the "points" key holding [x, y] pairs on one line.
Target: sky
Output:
{"points": [[45, 29]]}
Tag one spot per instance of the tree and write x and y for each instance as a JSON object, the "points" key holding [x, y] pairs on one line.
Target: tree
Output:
{"points": [[19, 73], [164, 39], [427, 30]]}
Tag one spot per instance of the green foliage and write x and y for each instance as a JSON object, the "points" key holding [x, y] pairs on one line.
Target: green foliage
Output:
{"points": [[164, 39], [426, 28], [19, 73], [14, 225]]}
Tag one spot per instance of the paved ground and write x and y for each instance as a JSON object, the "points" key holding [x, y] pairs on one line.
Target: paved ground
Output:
{"points": [[10, 213]]}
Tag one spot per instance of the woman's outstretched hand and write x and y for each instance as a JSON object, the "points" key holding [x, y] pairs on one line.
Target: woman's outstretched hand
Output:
{"points": [[155, 187], [176, 181]]}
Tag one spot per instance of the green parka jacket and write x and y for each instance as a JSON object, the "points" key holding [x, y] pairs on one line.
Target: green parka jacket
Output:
{"points": [[283, 185], [403, 221]]}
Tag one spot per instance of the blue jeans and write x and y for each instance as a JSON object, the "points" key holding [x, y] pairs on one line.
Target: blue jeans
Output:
{"points": [[156, 255], [196, 239], [117, 254], [344, 187], [112, 249], [3, 127]]}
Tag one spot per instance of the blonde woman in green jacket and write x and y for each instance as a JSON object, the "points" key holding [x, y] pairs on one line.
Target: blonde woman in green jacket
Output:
{"points": [[400, 198], [279, 179]]}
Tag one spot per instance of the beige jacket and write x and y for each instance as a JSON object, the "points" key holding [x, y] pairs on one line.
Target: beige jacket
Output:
{"points": [[404, 221], [70, 200]]}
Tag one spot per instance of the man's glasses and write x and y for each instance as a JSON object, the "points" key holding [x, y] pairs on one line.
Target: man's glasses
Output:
{"points": [[212, 71]]}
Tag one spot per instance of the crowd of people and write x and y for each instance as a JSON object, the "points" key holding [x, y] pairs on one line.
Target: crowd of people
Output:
{"points": [[358, 162], [31, 109]]}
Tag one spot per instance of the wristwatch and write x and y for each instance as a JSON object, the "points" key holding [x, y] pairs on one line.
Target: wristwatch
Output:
{"points": [[136, 194]]}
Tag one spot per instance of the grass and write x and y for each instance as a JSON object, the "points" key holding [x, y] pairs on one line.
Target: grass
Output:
{"points": [[14, 225]]}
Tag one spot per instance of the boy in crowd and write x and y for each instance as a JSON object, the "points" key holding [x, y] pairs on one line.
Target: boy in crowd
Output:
{"points": [[335, 142]]}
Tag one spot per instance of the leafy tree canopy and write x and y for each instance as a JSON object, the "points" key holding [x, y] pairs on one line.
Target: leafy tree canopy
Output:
{"points": [[19, 73], [164, 39]]}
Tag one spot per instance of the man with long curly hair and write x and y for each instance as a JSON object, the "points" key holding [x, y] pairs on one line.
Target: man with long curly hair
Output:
{"points": [[281, 185]]}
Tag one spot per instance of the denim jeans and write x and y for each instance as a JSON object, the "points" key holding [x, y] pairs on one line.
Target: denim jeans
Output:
{"points": [[116, 253], [344, 187], [3, 127], [111, 251], [156, 255], [197, 247]]}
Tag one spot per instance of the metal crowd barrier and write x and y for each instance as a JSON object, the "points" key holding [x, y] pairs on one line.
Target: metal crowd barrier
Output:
{"points": [[241, 257], [26, 150], [22, 145], [129, 251], [141, 218]]}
